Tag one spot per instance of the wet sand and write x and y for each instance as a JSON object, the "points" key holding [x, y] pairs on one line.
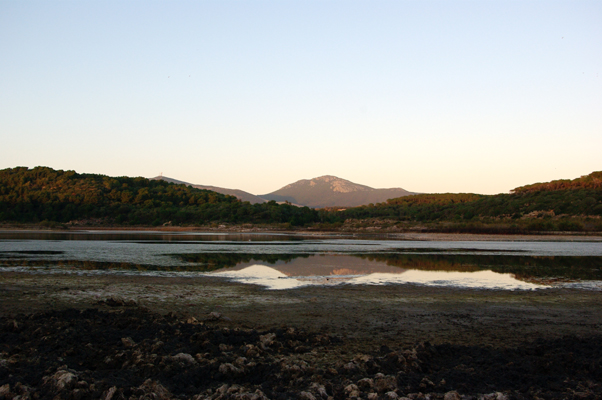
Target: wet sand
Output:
{"points": [[370, 315]]}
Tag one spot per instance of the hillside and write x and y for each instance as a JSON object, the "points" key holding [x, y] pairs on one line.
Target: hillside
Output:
{"points": [[239, 194], [330, 191], [67, 197], [591, 181], [557, 205], [44, 194]]}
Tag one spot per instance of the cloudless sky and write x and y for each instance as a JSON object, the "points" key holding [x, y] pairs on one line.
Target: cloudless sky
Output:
{"points": [[431, 96]]}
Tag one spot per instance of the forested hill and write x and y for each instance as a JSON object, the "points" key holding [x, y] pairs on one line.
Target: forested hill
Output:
{"points": [[591, 181], [580, 198], [42, 193]]}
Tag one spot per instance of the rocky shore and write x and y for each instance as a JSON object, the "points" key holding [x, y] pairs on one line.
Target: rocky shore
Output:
{"points": [[118, 351], [111, 337]]}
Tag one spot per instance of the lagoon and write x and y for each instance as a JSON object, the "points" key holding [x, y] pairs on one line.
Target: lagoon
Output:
{"points": [[287, 261]]}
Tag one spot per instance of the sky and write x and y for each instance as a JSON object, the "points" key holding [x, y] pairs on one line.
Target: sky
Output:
{"points": [[431, 96]]}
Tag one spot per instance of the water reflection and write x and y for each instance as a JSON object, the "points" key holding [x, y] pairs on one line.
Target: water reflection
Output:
{"points": [[476, 280], [295, 261], [335, 270], [369, 270], [523, 267]]}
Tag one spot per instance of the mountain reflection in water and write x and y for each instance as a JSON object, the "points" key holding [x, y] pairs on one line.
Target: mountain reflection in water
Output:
{"points": [[490, 265], [357, 269], [528, 268]]}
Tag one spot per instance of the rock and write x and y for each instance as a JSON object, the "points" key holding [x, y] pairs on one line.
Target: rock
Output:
{"points": [[156, 346], [128, 342], [267, 339], [425, 382], [229, 369], [391, 395], [214, 316], [62, 379], [259, 395], [113, 301], [494, 396], [222, 389], [363, 358], [251, 351], [350, 366], [411, 355], [384, 384], [23, 390], [184, 357], [5, 390], [235, 389], [224, 347], [319, 389], [131, 303], [293, 367], [14, 325], [365, 384], [306, 396], [453, 395], [352, 390], [108, 395], [372, 396], [153, 390]]}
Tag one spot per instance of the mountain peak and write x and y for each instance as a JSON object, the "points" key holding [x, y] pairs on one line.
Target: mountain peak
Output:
{"points": [[332, 191], [332, 182]]}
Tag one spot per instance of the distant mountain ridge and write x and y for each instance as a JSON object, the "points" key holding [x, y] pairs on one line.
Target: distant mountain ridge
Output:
{"points": [[331, 191], [240, 194]]}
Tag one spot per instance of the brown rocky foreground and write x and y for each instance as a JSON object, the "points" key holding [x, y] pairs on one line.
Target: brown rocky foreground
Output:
{"points": [[91, 337]]}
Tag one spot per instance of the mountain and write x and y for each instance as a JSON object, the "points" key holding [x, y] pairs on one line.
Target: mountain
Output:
{"points": [[330, 191], [242, 195]]}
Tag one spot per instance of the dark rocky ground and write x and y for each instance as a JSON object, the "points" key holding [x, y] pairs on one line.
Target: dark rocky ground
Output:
{"points": [[62, 337], [117, 351]]}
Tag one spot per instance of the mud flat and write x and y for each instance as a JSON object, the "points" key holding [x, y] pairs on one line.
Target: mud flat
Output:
{"points": [[120, 337]]}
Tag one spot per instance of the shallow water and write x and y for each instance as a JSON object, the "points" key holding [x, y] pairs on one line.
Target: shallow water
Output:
{"points": [[279, 261]]}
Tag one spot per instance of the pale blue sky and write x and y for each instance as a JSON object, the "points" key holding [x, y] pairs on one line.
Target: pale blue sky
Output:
{"points": [[431, 96]]}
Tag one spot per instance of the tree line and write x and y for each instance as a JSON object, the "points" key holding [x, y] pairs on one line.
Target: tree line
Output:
{"points": [[592, 181], [455, 207], [45, 194]]}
